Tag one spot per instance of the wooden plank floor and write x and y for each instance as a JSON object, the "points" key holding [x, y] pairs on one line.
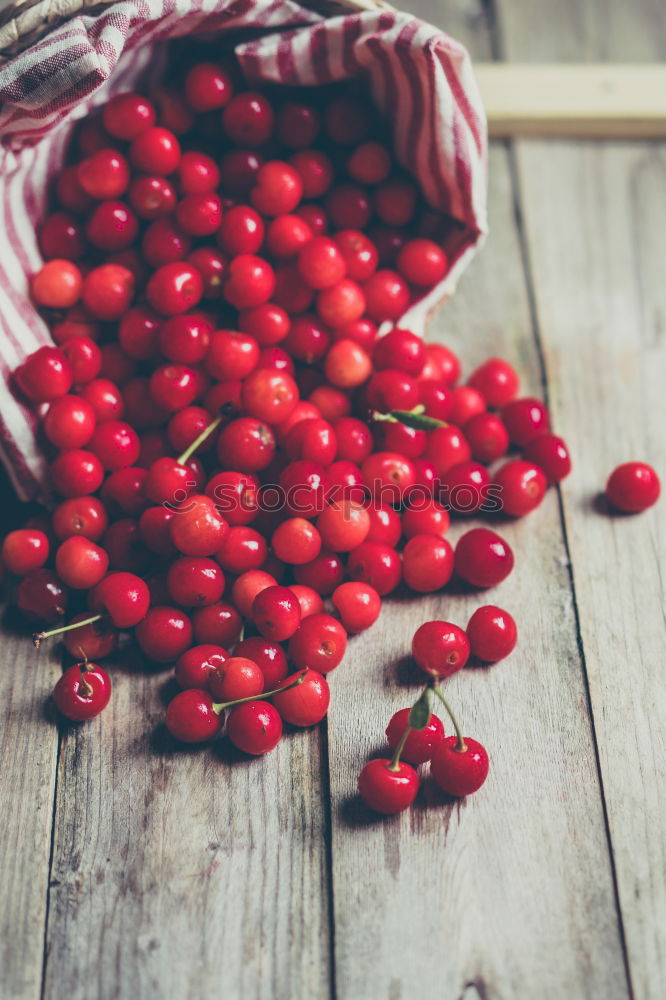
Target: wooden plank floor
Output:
{"points": [[129, 868]]}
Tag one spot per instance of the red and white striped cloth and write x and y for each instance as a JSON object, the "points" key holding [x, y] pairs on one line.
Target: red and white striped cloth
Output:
{"points": [[418, 76]]}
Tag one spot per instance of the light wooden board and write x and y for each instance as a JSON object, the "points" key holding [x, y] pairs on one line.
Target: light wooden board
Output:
{"points": [[597, 251]]}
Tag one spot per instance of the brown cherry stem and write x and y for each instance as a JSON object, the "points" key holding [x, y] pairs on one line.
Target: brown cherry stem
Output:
{"points": [[205, 434], [39, 636], [460, 746], [219, 706]]}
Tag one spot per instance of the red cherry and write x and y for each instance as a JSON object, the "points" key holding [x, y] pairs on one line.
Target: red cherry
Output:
{"points": [[24, 550], [108, 291], [278, 188], [525, 419], [311, 603], [305, 704], [440, 648], [268, 655], [487, 437], [343, 525], [492, 633], [174, 288], [358, 605], [269, 395], [497, 382], [427, 517], [521, 487], [459, 772], [115, 444], [633, 487], [124, 597], [191, 717], [321, 264], [389, 476], [155, 151], [446, 447], [323, 574], [297, 125], [551, 454], [276, 613], [465, 487], [105, 398], [83, 515], [196, 528], [207, 87], [370, 163], [422, 263], [437, 398], [316, 171], [248, 119], [93, 641], [112, 226], [219, 624], [319, 642], [395, 202], [41, 597], [421, 743], [402, 350], [376, 564], [127, 115], [255, 727], [104, 174], [386, 790], [194, 581], [466, 403], [164, 634], [200, 213], [83, 691], [427, 563], [61, 236], [80, 563], [236, 678], [45, 375], [76, 473], [483, 558], [296, 541], [195, 666]]}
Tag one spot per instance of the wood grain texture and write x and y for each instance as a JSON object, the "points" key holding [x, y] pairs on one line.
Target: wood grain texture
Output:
{"points": [[185, 873], [510, 893], [28, 751], [601, 308]]}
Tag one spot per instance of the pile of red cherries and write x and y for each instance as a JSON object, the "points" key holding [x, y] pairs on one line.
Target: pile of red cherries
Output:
{"points": [[243, 467]]}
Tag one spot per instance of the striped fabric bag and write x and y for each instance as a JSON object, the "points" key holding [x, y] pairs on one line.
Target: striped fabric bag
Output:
{"points": [[57, 64]]}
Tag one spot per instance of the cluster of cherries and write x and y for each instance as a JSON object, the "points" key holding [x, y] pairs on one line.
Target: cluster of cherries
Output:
{"points": [[231, 441]]}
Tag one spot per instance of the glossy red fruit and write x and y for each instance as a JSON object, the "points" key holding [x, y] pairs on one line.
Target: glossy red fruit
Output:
{"points": [[164, 634], [24, 550], [76, 473], [497, 382], [104, 174], [347, 364], [124, 597], [343, 525], [45, 375], [194, 581], [248, 119], [421, 743], [521, 487], [276, 613], [174, 288], [358, 605], [633, 487], [446, 447], [385, 790], [269, 656], [41, 596], [127, 115], [296, 541], [319, 642], [492, 633], [464, 487], [487, 437], [191, 717], [195, 666], [459, 772], [525, 419], [402, 350], [237, 677], [377, 564], [197, 529], [305, 704], [255, 727], [219, 624], [82, 515], [207, 87], [440, 648], [422, 262], [425, 516], [80, 563], [483, 558], [427, 563], [83, 691], [386, 295], [551, 454], [116, 444], [108, 291], [155, 151], [93, 641]]}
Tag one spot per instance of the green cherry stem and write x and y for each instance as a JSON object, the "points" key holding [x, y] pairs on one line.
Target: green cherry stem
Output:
{"points": [[416, 418], [39, 636], [219, 706], [460, 746], [395, 759], [205, 434]]}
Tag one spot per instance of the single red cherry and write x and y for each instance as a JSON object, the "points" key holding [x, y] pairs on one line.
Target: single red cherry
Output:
{"points": [[483, 558], [306, 703], [385, 789], [124, 597], [45, 375], [194, 581], [319, 642], [440, 648], [269, 656], [633, 487], [83, 691], [276, 613], [551, 454], [421, 743], [219, 624], [93, 641], [164, 634], [41, 596], [197, 529], [237, 677], [24, 550], [254, 727], [195, 666], [191, 717], [459, 772], [525, 419], [492, 633], [521, 487], [358, 605], [377, 564], [427, 563], [487, 437], [80, 563]]}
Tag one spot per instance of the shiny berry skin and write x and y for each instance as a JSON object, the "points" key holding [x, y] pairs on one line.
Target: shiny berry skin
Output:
{"points": [[255, 727], [238, 677], [307, 703], [395, 201], [246, 445], [218, 623], [191, 717], [164, 634], [151, 197], [347, 364], [458, 772], [376, 564], [446, 447], [196, 528], [24, 550], [386, 791], [104, 174], [276, 613], [85, 358], [323, 574], [93, 641], [388, 476], [45, 375], [194, 580], [440, 648], [200, 213], [391, 389], [497, 382], [386, 295], [116, 444], [401, 350], [492, 633], [421, 743], [112, 226], [207, 87], [61, 236], [231, 355], [80, 563], [483, 558], [108, 291], [81, 515], [358, 605], [633, 487], [124, 597], [212, 266], [155, 151], [174, 288], [427, 563], [551, 454], [319, 642], [385, 525], [241, 231], [296, 541], [341, 304], [487, 437], [310, 601], [437, 398], [248, 119], [76, 473], [165, 242], [316, 171], [321, 263], [421, 262], [268, 323], [269, 395], [127, 115], [298, 125], [238, 170], [83, 691], [194, 667], [268, 655], [426, 517], [41, 596], [464, 487], [466, 403], [250, 281], [278, 189], [105, 398], [525, 419], [354, 439], [343, 525], [246, 587], [521, 487], [236, 496]]}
